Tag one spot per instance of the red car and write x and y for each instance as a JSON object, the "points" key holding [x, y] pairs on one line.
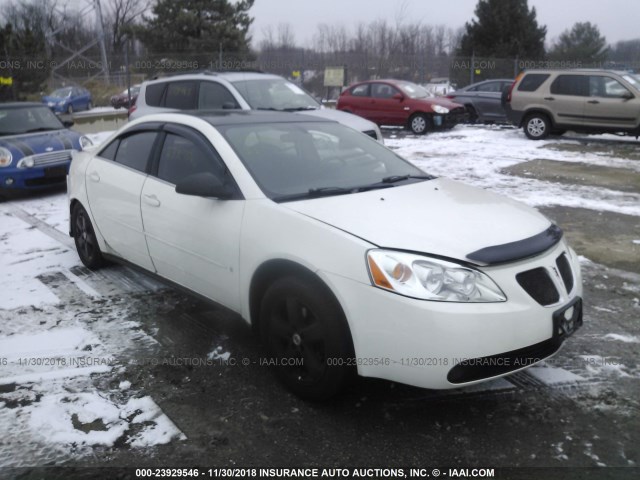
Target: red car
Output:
{"points": [[400, 103]]}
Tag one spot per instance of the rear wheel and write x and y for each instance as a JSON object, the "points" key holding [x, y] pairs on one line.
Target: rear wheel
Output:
{"points": [[537, 126], [473, 115], [306, 337], [85, 239], [419, 124]]}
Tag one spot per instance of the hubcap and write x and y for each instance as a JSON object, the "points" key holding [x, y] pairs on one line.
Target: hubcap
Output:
{"points": [[418, 124], [536, 127], [297, 335]]}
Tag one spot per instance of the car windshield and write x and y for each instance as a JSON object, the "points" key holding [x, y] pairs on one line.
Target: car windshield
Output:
{"points": [[61, 92], [275, 94], [306, 160], [633, 79], [414, 91], [14, 121]]}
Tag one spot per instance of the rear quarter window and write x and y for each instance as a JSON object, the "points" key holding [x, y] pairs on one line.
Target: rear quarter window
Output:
{"points": [[153, 94], [532, 81]]}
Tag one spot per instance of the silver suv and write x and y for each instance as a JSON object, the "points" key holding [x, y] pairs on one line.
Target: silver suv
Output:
{"points": [[545, 102], [237, 90]]}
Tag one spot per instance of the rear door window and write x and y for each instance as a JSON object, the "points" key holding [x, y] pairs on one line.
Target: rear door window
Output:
{"points": [[532, 81], [360, 91], [182, 95], [575, 85]]}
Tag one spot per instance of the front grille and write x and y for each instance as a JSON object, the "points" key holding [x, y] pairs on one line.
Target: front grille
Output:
{"points": [[487, 367], [539, 285], [565, 271], [52, 158], [371, 133]]}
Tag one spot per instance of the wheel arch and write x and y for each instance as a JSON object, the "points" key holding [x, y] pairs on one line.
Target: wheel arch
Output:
{"points": [[539, 110], [270, 271]]}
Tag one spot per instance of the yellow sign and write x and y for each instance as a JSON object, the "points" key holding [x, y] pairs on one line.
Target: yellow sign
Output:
{"points": [[478, 72], [6, 81], [295, 74], [334, 77]]}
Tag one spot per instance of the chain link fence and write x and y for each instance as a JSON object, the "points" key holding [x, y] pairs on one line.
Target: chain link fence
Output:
{"points": [[28, 78]]}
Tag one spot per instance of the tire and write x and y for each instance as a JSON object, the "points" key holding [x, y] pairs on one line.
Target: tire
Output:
{"points": [[537, 126], [85, 239], [300, 319], [419, 124], [473, 115], [89, 106], [70, 109]]}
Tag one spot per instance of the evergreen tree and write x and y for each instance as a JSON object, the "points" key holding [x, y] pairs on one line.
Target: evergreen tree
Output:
{"points": [[198, 26], [583, 43], [503, 29]]}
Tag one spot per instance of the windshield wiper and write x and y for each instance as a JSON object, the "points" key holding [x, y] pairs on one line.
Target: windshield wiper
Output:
{"points": [[400, 178], [315, 193], [299, 109], [41, 129]]}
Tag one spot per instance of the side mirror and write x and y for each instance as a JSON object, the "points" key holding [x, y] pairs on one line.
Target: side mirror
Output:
{"points": [[204, 185], [68, 123], [627, 96], [229, 106], [398, 96]]}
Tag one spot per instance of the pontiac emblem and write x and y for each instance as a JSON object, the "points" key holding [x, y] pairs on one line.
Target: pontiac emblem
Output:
{"points": [[48, 149]]}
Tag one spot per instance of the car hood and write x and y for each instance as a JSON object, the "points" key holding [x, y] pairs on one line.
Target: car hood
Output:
{"points": [[27, 144], [442, 101], [348, 119], [441, 217]]}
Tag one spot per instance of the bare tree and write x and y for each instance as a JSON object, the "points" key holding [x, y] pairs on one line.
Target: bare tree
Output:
{"points": [[119, 17]]}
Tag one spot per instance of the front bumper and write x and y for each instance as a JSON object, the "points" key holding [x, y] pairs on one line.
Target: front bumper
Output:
{"points": [[421, 342], [451, 119], [34, 178]]}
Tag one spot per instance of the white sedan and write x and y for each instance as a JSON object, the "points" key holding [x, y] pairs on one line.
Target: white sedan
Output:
{"points": [[344, 256]]}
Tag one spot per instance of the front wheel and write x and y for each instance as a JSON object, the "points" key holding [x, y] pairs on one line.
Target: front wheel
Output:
{"points": [[419, 123], [306, 337], [537, 126], [70, 109], [89, 106], [85, 239]]}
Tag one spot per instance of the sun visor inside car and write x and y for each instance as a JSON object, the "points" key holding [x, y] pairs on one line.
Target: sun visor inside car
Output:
{"points": [[509, 252]]}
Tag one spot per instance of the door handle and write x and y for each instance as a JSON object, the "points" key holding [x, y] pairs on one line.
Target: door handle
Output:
{"points": [[94, 177], [593, 102], [549, 98], [151, 200]]}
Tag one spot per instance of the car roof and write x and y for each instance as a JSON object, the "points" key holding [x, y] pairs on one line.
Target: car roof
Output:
{"points": [[6, 106], [229, 76], [579, 70], [239, 117]]}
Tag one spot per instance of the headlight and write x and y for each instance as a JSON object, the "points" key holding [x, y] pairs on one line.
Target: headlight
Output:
{"points": [[61, 103], [440, 109], [429, 278], [85, 142], [5, 157]]}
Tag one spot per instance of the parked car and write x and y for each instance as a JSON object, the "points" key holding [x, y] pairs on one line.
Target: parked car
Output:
{"points": [[69, 100], [237, 90], [545, 102], [400, 103], [364, 262], [121, 100], [35, 146], [483, 100]]}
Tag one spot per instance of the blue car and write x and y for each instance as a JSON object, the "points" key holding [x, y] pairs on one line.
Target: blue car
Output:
{"points": [[69, 100], [35, 146]]}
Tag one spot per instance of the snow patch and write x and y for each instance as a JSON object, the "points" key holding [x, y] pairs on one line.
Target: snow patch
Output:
{"points": [[622, 338]]}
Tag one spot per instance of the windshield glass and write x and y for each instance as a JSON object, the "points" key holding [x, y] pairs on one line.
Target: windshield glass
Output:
{"points": [[61, 92], [414, 91], [289, 160], [633, 80], [275, 94], [14, 121]]}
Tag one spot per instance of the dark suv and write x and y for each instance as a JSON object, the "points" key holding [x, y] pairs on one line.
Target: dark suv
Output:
{"points": [[545, 102]]}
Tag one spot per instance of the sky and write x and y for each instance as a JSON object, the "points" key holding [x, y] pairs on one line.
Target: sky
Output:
{"points": [[616, 19]]}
